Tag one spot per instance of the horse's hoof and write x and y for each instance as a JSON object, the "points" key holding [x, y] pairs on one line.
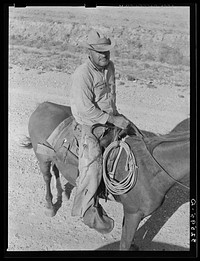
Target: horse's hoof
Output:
{"points": [[50, 212], [134, 247]]}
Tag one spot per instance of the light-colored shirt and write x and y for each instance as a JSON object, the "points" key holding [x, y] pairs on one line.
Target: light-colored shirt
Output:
{"points": [[93, 93]]}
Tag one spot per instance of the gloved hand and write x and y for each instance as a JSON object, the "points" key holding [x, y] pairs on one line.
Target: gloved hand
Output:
{"points": [[119, 121]]}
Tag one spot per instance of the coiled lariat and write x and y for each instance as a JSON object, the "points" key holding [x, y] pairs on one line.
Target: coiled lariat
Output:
{"points": [[119, 187]]}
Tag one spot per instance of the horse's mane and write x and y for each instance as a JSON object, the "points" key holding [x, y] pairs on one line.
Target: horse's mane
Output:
{"points": [[180, 133], [182, 128]]}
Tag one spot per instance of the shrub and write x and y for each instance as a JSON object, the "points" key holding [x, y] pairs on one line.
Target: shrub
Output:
{"points": [[130, 77], [121, 83], [170, 55], [149, 56], [116, 53]]}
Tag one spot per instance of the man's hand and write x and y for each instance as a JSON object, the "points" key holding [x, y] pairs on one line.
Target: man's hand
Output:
{"points": [[119, 121]]}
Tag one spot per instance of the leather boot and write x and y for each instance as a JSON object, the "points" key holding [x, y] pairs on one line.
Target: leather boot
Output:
{"points": [[96, 217]]}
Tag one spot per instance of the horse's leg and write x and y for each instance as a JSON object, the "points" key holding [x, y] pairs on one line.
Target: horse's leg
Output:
{"points": [[45, 169], [58, 203], [129, 226]]}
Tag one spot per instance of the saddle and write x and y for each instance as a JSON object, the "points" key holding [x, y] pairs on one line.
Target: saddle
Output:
{"points": [[63, 142]]}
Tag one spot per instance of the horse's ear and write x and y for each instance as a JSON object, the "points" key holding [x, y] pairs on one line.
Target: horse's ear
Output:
{"points": [[131, 131]]}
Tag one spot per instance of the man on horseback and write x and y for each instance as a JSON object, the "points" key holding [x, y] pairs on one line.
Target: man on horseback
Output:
{"points": [[93, 101]]}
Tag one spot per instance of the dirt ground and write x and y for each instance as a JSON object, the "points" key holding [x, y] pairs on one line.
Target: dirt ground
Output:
{"points": [[156, 107]]}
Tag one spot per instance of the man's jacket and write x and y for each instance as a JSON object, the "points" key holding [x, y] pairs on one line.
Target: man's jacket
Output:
{"points": [[93, 93]]}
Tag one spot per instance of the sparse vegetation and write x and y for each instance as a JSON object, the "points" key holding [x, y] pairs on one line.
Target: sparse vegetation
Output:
{"points": [[137, 45]]}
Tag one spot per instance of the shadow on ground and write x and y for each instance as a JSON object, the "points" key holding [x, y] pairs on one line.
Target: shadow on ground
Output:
{"points": [[153, 246]]}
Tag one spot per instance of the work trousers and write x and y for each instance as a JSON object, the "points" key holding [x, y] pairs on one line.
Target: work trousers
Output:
{"points": [[90, 171]]}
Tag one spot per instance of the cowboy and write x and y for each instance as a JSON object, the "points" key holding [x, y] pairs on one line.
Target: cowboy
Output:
{"points": [[93, 100]]}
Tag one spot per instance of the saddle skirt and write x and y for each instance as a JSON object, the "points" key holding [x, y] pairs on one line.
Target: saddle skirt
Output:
{"points": [[66, 135], [64, 140]]}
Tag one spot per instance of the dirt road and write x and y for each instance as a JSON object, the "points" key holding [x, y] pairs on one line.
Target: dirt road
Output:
{"points": [[29, 228]]}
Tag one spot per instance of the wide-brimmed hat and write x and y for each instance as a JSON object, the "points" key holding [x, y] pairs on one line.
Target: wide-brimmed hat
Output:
{"points": [[98, 42]]}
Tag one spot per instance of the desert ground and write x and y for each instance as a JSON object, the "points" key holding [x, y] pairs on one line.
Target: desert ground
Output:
{"points": [[153, 90]]}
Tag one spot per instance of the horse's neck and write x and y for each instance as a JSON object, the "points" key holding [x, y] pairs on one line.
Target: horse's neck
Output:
{"points": [[172, 153], [153, 141]]}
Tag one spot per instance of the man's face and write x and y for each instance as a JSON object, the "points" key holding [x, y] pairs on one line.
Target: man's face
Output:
{"points": [[100, 59]]}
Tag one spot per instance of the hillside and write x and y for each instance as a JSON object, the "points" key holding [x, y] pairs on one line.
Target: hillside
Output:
{"points": [[150, 39]]}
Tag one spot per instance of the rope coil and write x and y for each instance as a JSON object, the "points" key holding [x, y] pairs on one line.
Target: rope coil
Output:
{"points": [[120, 187]]}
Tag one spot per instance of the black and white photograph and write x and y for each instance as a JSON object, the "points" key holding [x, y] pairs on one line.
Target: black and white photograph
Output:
{"points": [[99, 129]]}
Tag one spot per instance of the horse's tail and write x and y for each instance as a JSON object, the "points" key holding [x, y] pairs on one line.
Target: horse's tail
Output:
{"points": [[26, 143]]}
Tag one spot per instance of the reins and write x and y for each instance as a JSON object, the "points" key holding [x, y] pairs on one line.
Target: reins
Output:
{"points": [[169, 174]]}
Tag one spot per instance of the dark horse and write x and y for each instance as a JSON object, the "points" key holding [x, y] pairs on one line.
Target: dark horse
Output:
{"points": [[169, 153]]}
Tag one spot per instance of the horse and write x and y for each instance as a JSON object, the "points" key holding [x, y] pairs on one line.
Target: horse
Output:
{"points": [[163, 160]]}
